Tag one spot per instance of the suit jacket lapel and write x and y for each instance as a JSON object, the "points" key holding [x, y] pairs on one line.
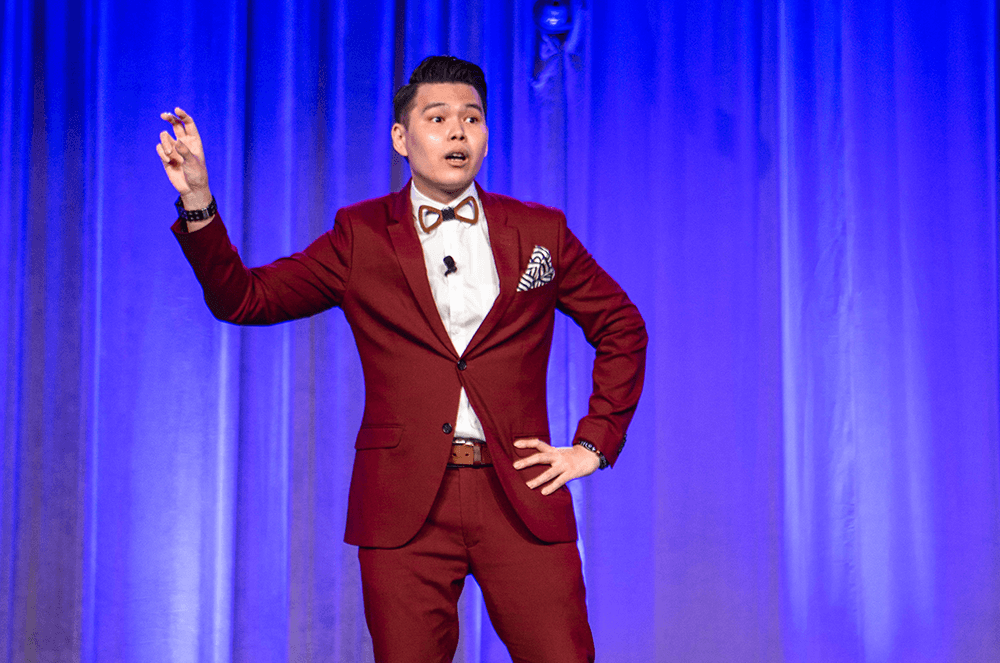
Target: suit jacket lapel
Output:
{"points": [[411, 260], [505, 244]]}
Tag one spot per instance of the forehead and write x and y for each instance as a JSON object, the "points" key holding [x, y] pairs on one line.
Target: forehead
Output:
{"points": [[452, 94]]}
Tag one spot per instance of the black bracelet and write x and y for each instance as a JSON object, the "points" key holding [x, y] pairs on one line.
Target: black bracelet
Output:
{"points": [[195, 214], [590, 447]]}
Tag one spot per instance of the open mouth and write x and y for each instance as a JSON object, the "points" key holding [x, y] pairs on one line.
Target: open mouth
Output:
{"points": [[458, 158]]}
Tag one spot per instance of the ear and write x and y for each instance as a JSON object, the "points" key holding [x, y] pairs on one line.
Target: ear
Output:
{"points": [[399, 139], [486, 130]]}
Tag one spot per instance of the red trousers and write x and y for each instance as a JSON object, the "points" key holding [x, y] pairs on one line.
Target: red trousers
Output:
{"points": [[533, 591]]}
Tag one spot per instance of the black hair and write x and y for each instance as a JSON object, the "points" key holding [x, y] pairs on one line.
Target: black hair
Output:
{"points": [[438, 69]]}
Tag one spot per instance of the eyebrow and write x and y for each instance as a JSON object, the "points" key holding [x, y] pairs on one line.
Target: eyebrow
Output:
{"points": [[435, 104]]}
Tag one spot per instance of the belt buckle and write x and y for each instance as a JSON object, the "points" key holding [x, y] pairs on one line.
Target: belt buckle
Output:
{"points": [[477, 449]]}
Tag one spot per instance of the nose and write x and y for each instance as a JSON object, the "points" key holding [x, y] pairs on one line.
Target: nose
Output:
{"points": [[457, 131]]}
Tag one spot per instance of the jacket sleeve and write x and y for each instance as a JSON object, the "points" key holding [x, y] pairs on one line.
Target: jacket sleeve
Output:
{"points": [[298, 286], [612, 325]]}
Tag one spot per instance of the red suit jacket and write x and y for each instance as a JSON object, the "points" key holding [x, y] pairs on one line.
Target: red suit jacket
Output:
{"points": [[371, 265]]}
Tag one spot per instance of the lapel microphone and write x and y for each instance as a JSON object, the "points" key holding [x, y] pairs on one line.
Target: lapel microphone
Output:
{"points": [[449, 263]]}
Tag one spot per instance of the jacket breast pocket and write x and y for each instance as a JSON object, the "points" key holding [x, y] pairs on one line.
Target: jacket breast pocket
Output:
{"points": [[529, 304], [378, 437], [543, 290]]}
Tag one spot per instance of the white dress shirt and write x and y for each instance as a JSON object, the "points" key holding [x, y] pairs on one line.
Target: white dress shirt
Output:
{"points": [[465, 296]]}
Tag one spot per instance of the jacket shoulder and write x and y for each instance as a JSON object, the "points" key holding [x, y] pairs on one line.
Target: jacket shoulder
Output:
{"points": [[377, 210], [529, 212]]}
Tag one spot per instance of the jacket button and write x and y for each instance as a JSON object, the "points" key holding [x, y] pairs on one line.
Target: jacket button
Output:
{"points": [[446, 429], [461, 364]]}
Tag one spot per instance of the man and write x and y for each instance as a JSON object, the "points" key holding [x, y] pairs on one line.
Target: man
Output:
{"points": [[451, 294]]}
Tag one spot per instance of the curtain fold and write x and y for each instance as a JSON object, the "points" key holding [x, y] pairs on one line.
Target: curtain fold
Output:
{"points": [[800, 197]]}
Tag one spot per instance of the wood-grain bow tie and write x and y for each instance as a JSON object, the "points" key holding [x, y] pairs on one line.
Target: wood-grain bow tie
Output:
{"points": [[448, 214]]}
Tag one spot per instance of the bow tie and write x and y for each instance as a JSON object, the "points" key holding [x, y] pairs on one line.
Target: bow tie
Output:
{"points": [[447, 214]]}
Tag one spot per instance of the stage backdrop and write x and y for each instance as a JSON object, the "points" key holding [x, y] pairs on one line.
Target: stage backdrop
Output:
{"points": [[800, 196]]}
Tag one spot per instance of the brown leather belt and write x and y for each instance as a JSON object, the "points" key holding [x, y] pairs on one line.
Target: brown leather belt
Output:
{"points": [[469, 452]]}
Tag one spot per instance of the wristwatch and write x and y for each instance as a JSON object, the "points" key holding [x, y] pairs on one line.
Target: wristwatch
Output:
{"points": [[195, 214], [590, 447]]}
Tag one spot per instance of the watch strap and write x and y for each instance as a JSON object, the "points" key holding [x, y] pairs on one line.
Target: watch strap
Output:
{"points": [[195, 214]]}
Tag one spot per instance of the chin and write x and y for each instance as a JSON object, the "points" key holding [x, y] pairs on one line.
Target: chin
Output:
{"points": [[456, 185]]}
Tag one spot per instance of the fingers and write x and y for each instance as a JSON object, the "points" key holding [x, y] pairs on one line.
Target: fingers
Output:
{"points": [[187, 120], [558, 470], [545, 477], [544, 455], [534, 459], [555, 485], [531, 443], [566, 464], [182, 149], [163, 157], [176, 123], [166, 148], [173, 151], [167, 142], [182, 123]]}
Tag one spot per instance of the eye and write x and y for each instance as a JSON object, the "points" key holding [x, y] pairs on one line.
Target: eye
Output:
{"points": [[437, 118], [472, 119]]}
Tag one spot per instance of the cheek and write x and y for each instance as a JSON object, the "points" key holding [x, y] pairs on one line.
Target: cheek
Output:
{"points": [[418, 148]]}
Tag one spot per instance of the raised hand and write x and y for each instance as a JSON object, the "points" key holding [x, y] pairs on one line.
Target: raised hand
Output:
{"points": [[183, 159], [567, 463]]}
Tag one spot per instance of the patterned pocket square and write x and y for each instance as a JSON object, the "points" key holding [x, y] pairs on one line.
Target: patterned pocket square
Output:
{"points": [[539, 271]]}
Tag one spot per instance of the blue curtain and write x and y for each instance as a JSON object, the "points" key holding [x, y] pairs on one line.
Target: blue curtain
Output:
{"points": [[800, 196]]}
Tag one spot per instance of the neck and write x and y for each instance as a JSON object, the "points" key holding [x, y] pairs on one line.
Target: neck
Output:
{"points": [[438, 195]]}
